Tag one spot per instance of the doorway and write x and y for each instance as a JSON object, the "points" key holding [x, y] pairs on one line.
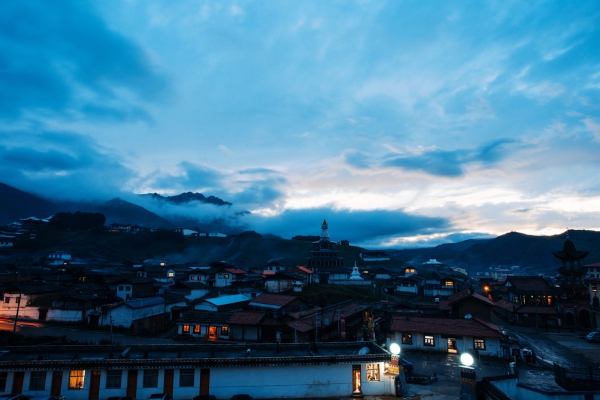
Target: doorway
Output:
{"points": [[212, 332], [17, 386], [132, 375], [452, 346], [95, 385], [204, 381], [168, 384], [356, 382], [56, 383]]}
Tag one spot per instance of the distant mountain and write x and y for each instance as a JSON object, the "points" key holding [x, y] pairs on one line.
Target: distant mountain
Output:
{"points": [[534, 253], [123, 212], [16, 204], [188, 197]]}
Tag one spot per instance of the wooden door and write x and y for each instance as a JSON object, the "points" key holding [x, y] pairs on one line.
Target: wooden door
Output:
{"points": [[95, 385], [132, 383], [56, 383], [168, 382], [204, 381], [17, 386]]}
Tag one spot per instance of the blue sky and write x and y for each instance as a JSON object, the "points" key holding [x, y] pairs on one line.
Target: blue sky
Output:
{"points": [[402, 123]]}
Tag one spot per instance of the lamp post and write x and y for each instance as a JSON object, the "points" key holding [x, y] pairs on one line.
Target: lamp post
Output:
{"points": [[468, 382], [397, 368]]}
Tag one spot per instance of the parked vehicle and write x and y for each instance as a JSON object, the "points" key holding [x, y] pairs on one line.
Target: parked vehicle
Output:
{"points": [[13, 396], [241, 397], [593, 337], [205, 397], [160, 396]]}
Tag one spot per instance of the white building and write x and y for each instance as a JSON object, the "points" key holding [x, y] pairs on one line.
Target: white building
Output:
{"points": [[186, 371]]}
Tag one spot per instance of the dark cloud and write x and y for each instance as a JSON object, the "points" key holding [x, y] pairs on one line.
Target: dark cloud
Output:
{"points": [[52, 53], [356, 226], [61, 165], [193, 177], [451, 163]]}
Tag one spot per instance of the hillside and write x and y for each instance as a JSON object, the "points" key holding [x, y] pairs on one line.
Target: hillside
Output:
{"points": [[175, 248], [16, 204], [533, 253]]}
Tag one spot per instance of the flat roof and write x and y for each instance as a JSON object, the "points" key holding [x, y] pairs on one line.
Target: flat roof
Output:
{"points": [[186, 355]]}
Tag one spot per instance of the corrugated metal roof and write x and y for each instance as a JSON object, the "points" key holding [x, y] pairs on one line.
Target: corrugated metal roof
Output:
{"points": [[146, 302], [224, 300]]}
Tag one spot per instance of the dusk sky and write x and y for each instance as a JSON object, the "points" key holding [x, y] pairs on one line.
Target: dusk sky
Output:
{"points": [[403, 123]]}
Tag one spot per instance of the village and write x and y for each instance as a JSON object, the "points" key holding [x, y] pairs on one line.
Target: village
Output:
{"points": [[379, 331]]}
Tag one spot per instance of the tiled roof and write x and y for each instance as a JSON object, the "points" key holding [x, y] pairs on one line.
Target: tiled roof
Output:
{"points": [[274, 299], [246, 318], [533, 310], [530, 283], [205, 317], [146, 302], [236, 271], [506, 305], [465, 294], [460, 327]]}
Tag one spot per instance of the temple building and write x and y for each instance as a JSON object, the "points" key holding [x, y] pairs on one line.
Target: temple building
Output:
{"points": [[324, 253]]}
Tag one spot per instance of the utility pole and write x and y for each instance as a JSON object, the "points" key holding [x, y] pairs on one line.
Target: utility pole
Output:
{"points": [[111, 330], [537, 307], [18, 301]]}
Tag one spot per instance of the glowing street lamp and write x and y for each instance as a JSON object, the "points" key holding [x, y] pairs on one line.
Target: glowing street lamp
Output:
{"points": [[467, 377], [466, 359], [395, 348]]}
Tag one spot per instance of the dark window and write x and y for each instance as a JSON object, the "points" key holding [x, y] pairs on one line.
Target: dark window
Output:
{"points": [[17, 300], [3, 381], [428, 340], [479, 344], [186, 377], [407, 338], [224, 331], [7, 300], [113, 379], [121, 288], [37, 380], [150, 378]]}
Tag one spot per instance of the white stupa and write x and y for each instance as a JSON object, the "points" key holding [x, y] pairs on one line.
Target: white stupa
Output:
{"points": [[355, 275]]}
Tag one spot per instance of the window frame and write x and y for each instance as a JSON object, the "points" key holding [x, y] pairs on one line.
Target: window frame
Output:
{"points": [[3, 378], [6, 300], [37, 380], [150, 378], [76, 379], [112, 377], [407, 339], [186, 328], [429, 340], [187, 377], [224, 331], [196, 328], [373, 372], [479, 343]]}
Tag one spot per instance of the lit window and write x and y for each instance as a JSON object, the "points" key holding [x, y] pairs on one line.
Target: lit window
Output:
{"points": [[171, 274], [479, 344], [428, 341], [196, 328], [407, 338], [226, 276], [150, 378], [113, 379], [192, 278], [220, 276], [186, 377], [372, 372], [37, 380], [76, 379], [449, 283], [186, 329], [224, 331]]}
